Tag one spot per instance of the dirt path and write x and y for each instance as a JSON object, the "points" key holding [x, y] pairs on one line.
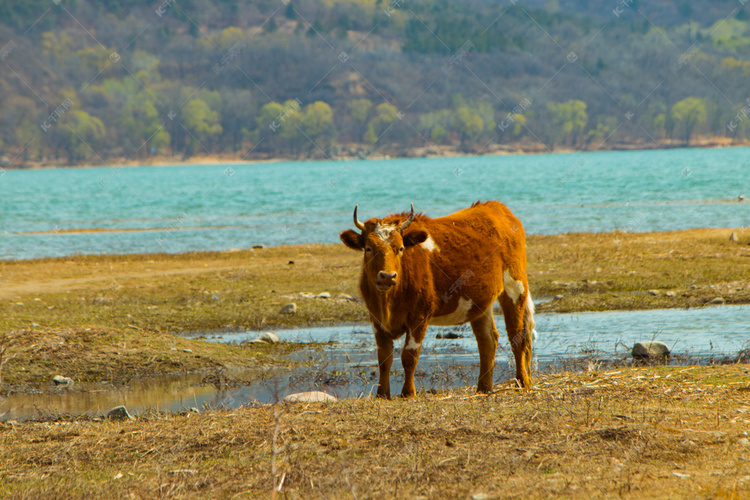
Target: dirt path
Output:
{"points": [[70, 284]]}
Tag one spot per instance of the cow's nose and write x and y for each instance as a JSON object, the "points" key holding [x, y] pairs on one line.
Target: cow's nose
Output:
{"points": [[387, 277]]}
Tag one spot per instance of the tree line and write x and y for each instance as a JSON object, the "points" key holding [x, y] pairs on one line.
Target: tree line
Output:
{"points": [[93, 81]]}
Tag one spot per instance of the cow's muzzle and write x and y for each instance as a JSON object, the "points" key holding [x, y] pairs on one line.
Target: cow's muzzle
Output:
{"points": [[385, 280]]}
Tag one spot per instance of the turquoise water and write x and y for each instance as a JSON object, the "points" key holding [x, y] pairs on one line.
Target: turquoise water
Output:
{"points": [[217, 207]]}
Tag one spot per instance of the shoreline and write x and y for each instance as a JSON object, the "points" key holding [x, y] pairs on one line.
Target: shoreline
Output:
{"points": [[442, 151]]}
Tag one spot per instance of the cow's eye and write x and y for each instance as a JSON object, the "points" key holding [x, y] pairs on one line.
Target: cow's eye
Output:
{"points": [[401, 249], [368, 249]]}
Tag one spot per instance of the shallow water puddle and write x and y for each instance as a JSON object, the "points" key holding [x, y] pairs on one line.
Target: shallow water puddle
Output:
{"points": [[347, 366]]}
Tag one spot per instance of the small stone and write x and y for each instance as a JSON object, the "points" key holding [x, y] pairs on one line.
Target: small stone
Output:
{"points": [[290, 262], [289, 309], [35, 325], [653, 292], [60, 380], [309, 397], [119, 413], [187, 350], [258, 247], [669, 294], [480, 496], [558, 297], [343, 296], [650, 349], [448, 335], [324, 295], [717, 301], [306, 295], [269, 338], [733, 237], [693, 287]]}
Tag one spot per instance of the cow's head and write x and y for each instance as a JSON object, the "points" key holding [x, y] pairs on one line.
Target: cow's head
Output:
{"points": [[384, 244]]}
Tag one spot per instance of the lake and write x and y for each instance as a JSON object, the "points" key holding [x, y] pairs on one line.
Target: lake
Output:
{"points": [[218, 207]]}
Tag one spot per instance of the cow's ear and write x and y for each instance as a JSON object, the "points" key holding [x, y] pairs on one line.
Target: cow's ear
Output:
{"points": [[415, 238], [352, 239]]}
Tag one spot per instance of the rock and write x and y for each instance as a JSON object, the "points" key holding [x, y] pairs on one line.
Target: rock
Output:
{"points": [[290, 262], [258, 247], [693, 287], [448, 335], [669, 294], [35, 325], [269, 338], [717, 301], [650, 349], [187, 350], [309, 397], [343, 296], [733, 237], [323, 295], [290, 308], [119, 413], [60, 380], [653, 292], [558, 297], [306, 295]]}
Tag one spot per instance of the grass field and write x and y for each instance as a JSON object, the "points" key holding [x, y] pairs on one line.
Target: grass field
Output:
{"points": [[658, 432]]}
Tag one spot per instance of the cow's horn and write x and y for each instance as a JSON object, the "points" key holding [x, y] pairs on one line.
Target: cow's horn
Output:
{"points": [[408, 221], [357, 224]]}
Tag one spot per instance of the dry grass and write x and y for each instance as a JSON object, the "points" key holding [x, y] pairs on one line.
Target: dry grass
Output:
{"points": [[179, 293], [659, 432], [117, 357], [604, 271]]}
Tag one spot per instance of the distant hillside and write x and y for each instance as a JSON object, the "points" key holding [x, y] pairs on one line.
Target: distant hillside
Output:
{"points": [[86, 81]]}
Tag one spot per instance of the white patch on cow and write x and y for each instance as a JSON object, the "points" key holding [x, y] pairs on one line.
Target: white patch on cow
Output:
{"points": [[412, 344], [457, 317], [429, 245], [384, 231], [530, 317], [513, 288], [534, 333]]}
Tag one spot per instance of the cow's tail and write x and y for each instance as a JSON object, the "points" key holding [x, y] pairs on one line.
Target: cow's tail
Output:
{"points": [[530, 333]]}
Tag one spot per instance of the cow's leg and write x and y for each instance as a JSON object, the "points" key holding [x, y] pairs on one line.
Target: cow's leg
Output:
{"points": [[385, 359], [486, 335], [410, 358], [519, 337]]}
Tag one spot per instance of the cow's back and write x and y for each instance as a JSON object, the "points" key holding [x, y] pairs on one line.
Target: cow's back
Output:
{"points": [[468, 253]]}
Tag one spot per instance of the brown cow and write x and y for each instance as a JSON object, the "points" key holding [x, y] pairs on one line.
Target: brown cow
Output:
{"points": [[445, 271]]}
